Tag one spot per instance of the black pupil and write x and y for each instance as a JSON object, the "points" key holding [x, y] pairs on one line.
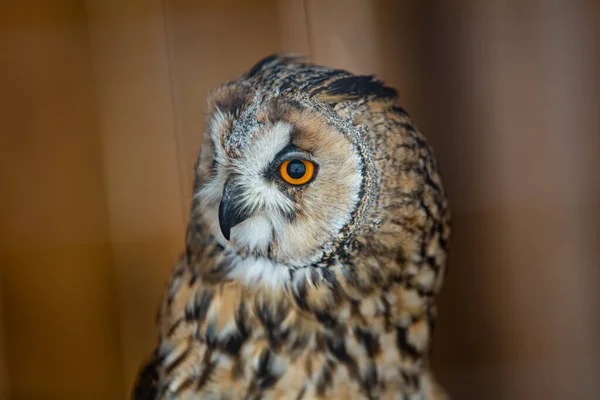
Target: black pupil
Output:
{"points": [[296, 169]]}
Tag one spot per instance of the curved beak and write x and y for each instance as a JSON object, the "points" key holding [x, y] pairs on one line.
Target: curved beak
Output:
{"points": [[230, 212]]}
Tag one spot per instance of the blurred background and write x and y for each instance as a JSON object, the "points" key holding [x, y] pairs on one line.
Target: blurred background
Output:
{"points": [[101, 117]]}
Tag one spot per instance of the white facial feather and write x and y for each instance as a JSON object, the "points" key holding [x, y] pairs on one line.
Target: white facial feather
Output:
{"points": [[260, 272], [264, 148], [258, 193], [254, 233]]}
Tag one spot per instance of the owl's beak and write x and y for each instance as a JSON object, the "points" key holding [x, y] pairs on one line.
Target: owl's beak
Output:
{"points": [[230, 212]]}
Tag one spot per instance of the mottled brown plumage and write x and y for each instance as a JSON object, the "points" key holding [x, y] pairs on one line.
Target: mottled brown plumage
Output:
{"points": [[325, 290]]}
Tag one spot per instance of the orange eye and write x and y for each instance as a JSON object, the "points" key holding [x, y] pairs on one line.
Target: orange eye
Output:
{"points": [[297, 172]]}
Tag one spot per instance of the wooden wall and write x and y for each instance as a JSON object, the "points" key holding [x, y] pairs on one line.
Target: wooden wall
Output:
{"points": [[60, 331], [101, 117]]}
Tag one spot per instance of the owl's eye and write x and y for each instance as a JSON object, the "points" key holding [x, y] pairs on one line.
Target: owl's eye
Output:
{"points": [[297, 172]]}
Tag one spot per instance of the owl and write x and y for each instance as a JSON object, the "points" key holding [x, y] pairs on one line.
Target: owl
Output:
{"points": [[315, 248]]}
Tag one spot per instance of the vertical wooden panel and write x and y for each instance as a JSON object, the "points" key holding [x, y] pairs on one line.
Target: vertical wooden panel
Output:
{"points": [[57, 282], [343, 34], [4, 383], [523, 280], [293, 29], [140, 162], [594, 60], [467, 338]]}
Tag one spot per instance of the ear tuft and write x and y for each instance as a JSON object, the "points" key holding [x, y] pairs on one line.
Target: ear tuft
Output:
{"points": [[354, 87]]}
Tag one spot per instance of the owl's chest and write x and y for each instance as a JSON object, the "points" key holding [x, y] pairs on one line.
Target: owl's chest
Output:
{"points": [[231, 341], [250, 345]]}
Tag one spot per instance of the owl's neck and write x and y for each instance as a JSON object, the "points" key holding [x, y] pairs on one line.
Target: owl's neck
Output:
{"points": [[348, 273]]}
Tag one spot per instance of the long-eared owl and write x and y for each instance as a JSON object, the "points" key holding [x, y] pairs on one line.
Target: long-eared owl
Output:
{"points": [[315, 248]]}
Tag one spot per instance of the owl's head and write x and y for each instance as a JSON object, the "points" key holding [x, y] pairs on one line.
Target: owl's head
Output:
{"points": [[282, 171], [303, 164], [278, 180]]}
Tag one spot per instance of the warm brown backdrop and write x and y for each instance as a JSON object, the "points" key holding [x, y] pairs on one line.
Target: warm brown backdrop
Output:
{"points": [[101, 115]]}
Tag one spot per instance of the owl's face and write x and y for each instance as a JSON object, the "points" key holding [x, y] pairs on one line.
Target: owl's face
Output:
{"points": [[276, 180]]}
